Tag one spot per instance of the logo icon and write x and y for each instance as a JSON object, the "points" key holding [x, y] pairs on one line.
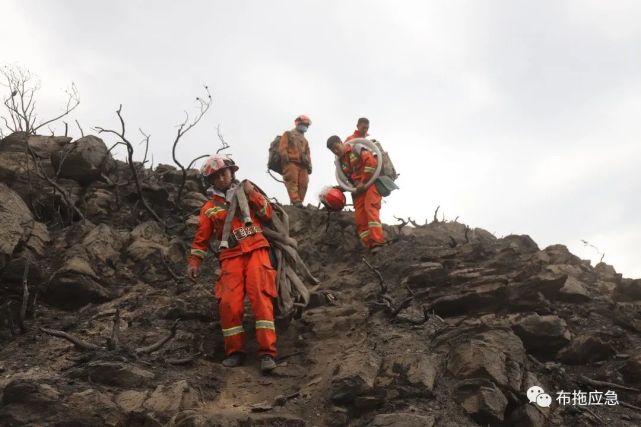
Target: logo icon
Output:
{"points": [[536, 394]]}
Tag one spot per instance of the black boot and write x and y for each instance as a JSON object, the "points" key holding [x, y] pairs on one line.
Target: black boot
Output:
{"points": [[267, 363], [234, 360]]}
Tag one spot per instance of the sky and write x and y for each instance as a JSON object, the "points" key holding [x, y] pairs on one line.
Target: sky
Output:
{"points": [[515, 116]]}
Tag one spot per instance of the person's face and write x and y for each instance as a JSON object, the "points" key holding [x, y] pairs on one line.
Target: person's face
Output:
{"points": [[222, 179], [338, 149], [362, 128]]}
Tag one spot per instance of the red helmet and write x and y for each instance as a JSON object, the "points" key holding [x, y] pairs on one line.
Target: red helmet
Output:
{"points": [[303, 119], [215, 163], [333, 199]]}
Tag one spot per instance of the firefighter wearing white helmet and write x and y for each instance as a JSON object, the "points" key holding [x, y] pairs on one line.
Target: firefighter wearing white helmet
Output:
{"points": [[245, 266]]}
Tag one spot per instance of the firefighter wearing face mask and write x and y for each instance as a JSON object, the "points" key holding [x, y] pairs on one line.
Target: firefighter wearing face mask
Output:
{"points": [[297, 161], [245, 265]]}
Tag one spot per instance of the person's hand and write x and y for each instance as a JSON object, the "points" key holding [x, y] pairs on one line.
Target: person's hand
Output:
{"points": [[360, 187], [193, 272], [309, 170], [248, 187]]}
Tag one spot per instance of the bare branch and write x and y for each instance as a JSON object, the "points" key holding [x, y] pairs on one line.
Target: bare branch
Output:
{"points": [[73, 101], [597, 383], [146, 142], [224, 144], [158, 344], [54, 184], [82, 133], [436, 213], [76, 341], [191, 164], [381, 282], [402, 224], [185, 127], [130, 154]]}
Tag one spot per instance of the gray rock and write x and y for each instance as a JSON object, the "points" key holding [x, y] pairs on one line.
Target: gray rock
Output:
{"points": [[83, 160], [114, 374], [172, 398], [17, 223], [574, 291], [131, 400], [354, 376], [585, 349], [99, 202], [520, 243], [103, 244], [628, 290], [409, 374], [496, 355], [17, 168], [193, 200], [96, 403], [542, 335], [631, 370], [528, 415], [482, 400], [29, 392], [483, 298], [75, 285], [607, 273], [425, 275], [45, 146]]}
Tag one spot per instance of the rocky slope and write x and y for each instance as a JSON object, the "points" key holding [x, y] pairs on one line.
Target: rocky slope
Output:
{"points": [[446, 326]]}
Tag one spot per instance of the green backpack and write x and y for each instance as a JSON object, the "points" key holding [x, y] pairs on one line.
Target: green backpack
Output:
{"points": [[274, 161]]}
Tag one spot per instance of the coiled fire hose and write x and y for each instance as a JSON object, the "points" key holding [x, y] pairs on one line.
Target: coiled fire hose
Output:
{"points": [[357, 145]]}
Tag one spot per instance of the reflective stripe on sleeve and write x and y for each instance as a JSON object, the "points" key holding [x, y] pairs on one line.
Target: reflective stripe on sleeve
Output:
{"points": [[199, 253]]}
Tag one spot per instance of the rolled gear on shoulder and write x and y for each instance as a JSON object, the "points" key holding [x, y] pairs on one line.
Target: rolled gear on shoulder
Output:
{"points": [[294, 281], [384, 174]]}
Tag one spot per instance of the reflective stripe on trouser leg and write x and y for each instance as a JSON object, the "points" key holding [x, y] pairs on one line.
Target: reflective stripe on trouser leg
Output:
{"points": [[261, 290], [231, 293], [360, 217], [372, 212]]}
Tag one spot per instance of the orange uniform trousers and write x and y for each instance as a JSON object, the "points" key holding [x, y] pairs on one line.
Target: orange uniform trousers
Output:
{"points": [[252, 274], [367, 207], [296, 180]]}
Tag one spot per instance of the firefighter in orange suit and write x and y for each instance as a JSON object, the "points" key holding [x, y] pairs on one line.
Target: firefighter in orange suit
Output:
{"points": [[245, 265], [362, 126], [359, 168], [297, 160]]}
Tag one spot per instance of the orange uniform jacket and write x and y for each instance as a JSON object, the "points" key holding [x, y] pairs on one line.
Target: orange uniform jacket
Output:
{"points": [[294, 146], [212, 219], [358, 168], [355, 135]]}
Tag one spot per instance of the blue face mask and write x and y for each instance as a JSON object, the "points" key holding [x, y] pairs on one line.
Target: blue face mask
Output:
{"points": [[302, 128]]}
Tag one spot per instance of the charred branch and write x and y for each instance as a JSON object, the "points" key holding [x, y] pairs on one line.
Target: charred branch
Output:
{"points": [[381, 282], [161, 342], [83, 345], [183, 128], [130, 158], [221, 138], [82, 133], [54, 184], [436, 214]]}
